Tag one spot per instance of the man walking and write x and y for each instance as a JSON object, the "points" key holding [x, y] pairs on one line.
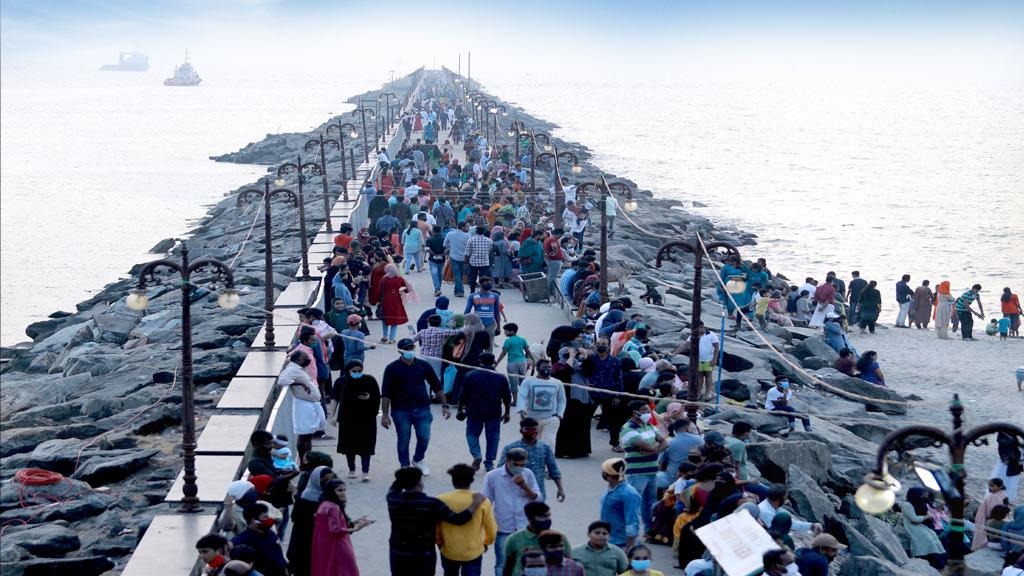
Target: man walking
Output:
{"points": [[542, 399], [462, 547], [511, 488], [478, 257], [486, 304], [857, 285], [455, 246], [620, 505], [541, 457], [404, 398], [553, 257], [904, 294], [484, 392]]}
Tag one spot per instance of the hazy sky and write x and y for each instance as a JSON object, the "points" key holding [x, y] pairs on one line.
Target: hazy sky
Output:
{"points": [[643, 39]]}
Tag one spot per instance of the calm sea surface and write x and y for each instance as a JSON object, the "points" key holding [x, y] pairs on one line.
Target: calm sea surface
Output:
{"points": [[98, 167]]}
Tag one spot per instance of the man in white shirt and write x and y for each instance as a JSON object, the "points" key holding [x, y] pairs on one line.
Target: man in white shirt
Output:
{"points": [[771, 505], [569, 217], [542, 399], [610, 209], [707, 358], [510, 488], [778, 399]]}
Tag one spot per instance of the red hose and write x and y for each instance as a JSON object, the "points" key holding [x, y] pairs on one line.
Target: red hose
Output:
{"points": [[37, 477]]}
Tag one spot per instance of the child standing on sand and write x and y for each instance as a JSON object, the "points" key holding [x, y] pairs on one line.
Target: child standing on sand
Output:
{"points": [[1004, 328]]}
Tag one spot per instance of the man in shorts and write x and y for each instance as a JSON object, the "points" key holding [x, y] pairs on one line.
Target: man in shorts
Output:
{"points": [[707, 357]]}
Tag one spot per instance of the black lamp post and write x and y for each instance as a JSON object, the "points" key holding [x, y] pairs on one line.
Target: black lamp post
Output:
{"points": [[534, 137], [341, 128], [606, 189], [387, 96], [878, 493], [362, 110], [376, 120], [734, 286], [321, 145], [555, 156], [300, 170], [515, 130], [247, 197], [227, 299], [493, 108]]}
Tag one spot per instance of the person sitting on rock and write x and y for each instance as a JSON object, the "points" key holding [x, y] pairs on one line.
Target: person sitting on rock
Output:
{"points": [[779, 398], [773, 503]]}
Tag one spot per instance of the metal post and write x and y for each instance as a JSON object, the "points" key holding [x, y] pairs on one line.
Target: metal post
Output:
{"points": [[302, 224], [366, 148], [604, 241], [693, 390], [957, 447], [190, 501], [533, 161], [352, 162], [268, 276], [721, 358], [323, 180], [344, 171], [559, 192]]}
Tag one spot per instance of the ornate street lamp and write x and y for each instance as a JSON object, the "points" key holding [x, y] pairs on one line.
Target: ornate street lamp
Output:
{"points": [[376, 121], [606, 189], [515, 130], [697, 249], [387, 96], [228, 299], [342, 129], [247, 197], [321, 145], [362, 110], [301, 170], [555, 156], [878, 493], [493, 108]]}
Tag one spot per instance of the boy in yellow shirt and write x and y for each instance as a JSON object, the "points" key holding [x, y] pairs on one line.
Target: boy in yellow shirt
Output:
{"points": [[462, 547]]}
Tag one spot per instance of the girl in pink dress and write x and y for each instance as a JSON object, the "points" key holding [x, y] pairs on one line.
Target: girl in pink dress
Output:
{"points": [[333, 554]]}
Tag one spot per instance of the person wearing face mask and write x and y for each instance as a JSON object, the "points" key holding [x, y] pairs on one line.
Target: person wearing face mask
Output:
{"points": [[604, 371], [538, 514], [814, 561], [404, 397], [307, 411], [213, 551], [780, 562], [533, 563], [356, 402], [486, 304], [542, 399], [541, 457], [642, 443], [778, 399], [260, 536], [511, 487], [640, 562], [558, 564]]}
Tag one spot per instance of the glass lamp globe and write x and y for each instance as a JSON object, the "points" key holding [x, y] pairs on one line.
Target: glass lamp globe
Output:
{"points": [[279, 182], [504, 113], [548, 147], [137, 299], [353, 134], [576, 168], [492, 110], [511, 133], [630, 205], [873, 499], [228, 299], [736, 285]]}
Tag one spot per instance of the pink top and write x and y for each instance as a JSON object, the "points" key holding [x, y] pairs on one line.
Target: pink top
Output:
{"points": [[332, 552]]}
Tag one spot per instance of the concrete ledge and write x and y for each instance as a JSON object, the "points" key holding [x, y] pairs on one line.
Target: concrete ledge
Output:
{"points": [[168, 546], [247, 394], [213, 474], [324, 238], [283, 332], [262, 364], [227, 434], [298, 294]]}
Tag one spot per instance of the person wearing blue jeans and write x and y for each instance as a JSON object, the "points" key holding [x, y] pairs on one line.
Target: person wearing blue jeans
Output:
{"points": [[484, 393], [436, 257], [388, 332], [455, 245], [642, 442], [405, 401]]}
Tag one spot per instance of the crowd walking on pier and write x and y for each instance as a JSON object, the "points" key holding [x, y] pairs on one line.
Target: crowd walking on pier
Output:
{"points": [[460, 208]]}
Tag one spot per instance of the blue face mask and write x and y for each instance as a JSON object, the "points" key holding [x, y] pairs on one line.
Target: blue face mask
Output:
{"points": [[356, 375], [641, 565], [408, 355], [785, 385]]}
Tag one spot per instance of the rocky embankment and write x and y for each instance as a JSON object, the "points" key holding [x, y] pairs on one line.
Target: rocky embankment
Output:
{"points": [[80, 398]]}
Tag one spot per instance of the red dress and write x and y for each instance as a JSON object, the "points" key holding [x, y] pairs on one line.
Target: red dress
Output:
{"points": [[376, 275], [387, 184], [332, 553], [418, 127], [394, 307]]}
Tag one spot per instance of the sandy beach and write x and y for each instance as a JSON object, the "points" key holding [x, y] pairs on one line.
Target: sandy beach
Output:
{"points": [[982, 372]]}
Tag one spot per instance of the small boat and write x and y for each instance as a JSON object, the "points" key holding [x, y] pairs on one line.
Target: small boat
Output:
{"points": [[128, 62], [184, 75]]}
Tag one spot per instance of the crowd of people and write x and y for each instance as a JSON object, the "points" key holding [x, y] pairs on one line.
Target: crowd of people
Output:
{"points": [[475, 225]]}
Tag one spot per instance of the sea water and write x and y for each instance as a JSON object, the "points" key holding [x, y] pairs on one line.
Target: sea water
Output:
{"points": [[99, 167]]}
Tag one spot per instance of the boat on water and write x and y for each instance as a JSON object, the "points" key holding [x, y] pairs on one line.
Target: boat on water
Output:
{"points": [[184, 75], [128, 62]]}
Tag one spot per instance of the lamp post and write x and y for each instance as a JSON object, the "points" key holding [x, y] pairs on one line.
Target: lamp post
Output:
{"points": [[300, 170], [493, 108], [555, 156], [878, 493], [534, 136], [606, 190], [387, 96], [341, 128], [376, 120], [249, 196], [734, 286], [515, 130], [366, 147], [320, 145], [228, 299]]}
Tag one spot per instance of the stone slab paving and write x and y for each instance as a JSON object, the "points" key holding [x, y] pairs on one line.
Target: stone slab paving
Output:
{"points": [[227, 433], [262, 364], [247, 394], [171, 548], [213, 473], [299, 294]]}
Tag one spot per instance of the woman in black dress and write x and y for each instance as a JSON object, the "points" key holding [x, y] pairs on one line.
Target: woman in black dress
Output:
{"points": [[300, 544], [358, 400], [573, 439]]}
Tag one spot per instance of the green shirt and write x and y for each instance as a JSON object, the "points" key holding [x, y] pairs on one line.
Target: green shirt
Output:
{"points": [[637, 462], [739, 456], [523, 539], [515, 346], [608, 561]]}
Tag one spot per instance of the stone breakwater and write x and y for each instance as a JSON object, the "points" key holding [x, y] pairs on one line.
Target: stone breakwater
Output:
{"points": [[88, 375], [80, 400]]}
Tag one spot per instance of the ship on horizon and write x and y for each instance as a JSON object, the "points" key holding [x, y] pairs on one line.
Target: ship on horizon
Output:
{"points": [[184, 75], [128, 62]]}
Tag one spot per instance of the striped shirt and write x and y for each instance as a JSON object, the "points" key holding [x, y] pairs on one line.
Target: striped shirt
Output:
{"points": [[638, 462], [963, 303]]}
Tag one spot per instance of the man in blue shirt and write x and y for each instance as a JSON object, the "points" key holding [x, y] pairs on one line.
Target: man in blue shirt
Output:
{"points": [[455, 246], [486, 304], [484, 392], [404, 398], [620, 506]]}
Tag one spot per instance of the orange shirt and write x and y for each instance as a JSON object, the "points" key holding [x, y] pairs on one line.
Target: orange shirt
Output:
{"points": [[1011, 306]]}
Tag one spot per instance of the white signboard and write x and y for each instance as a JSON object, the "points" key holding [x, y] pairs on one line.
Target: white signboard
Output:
{"points": [[737, 543]]}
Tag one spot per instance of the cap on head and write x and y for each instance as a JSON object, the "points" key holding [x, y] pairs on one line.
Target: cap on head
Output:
{"points": [[406, 344], [826, 540], [714, 437], [614, 467]]}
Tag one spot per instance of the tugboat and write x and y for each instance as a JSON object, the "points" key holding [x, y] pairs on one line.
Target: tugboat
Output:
{"points": [[184, 75], [128, 62]]}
